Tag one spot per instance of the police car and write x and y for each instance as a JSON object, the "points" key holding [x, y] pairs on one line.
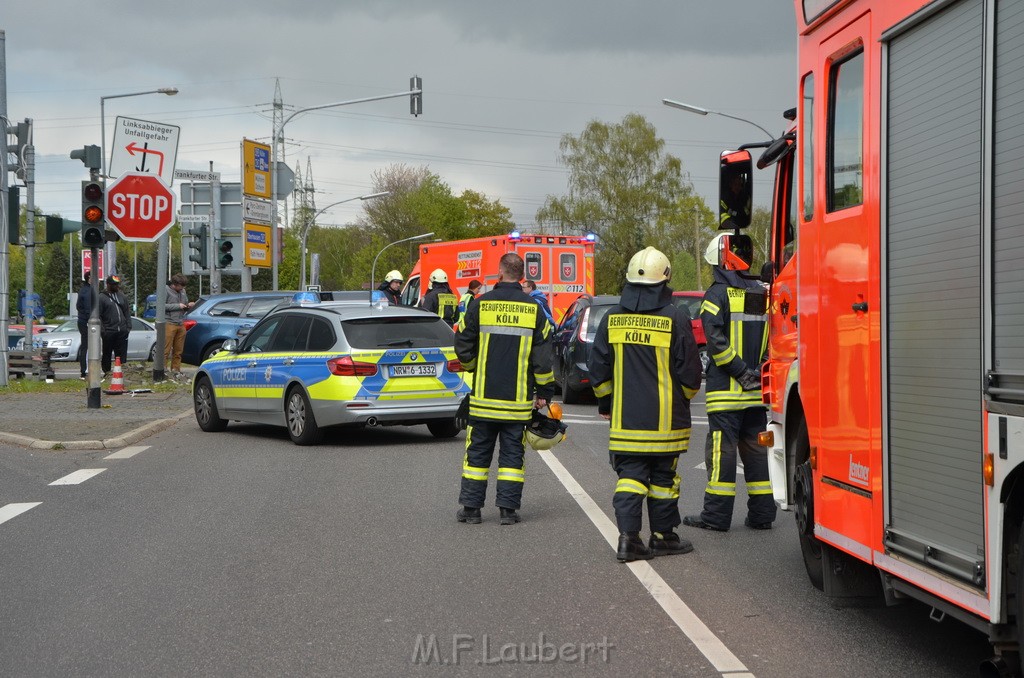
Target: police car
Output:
{"points": [[313, 365]]}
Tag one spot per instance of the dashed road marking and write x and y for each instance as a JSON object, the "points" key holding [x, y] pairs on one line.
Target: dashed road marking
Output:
{"points": [[724, 661], [13, 510], [127, 452], [79, 476]]}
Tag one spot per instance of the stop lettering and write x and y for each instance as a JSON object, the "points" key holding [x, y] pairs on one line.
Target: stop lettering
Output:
{"points": [[140, 206]]}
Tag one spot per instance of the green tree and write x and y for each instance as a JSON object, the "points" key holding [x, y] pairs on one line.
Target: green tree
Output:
{"points": [[624, 188], [486, 217]]}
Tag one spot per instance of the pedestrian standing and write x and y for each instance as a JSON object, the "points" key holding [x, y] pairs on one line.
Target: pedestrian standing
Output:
{"points": [[116, 322], [469, 295], [645, 370], [734, 315], [176, 306], [84, 306], [505, 342], [530, 287]]}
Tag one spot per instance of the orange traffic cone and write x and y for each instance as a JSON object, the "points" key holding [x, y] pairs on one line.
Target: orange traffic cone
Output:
{"points": [[116, 379]]}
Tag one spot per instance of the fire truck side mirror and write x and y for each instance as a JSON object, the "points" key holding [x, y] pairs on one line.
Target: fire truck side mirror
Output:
{"points": [[735, 189], [768, 273]]}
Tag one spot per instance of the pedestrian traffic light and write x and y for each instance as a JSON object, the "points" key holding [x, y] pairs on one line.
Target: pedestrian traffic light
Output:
{"points": [[93, 229], [200, 246], [225, 257]]}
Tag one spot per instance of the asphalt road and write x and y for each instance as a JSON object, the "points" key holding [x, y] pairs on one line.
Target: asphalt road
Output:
{"points": [[241, 554]]}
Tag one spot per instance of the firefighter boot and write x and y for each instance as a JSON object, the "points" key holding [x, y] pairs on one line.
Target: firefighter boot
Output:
{"points": [[698, 521], [632, 547], [757, 526], [508, 516], [668, 543], [469, 515]]}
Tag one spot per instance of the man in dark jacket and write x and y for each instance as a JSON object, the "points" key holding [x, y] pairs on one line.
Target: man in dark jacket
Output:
{"points": [[505, 341], [116, 321], [84, 307], [645, 369], [440, 299], [734, 315]]}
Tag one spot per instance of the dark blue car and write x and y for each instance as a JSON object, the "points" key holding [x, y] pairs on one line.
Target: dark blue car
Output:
{"points": [[573, 339], [217, 318]]}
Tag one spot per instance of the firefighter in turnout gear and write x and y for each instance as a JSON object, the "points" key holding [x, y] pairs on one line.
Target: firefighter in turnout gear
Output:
{"points": [[734, 315], [505, 341], [440, 299], [645, 369]]}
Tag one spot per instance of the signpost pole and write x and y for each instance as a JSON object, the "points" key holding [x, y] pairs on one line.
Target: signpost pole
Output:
{"points": [[161, 307]]}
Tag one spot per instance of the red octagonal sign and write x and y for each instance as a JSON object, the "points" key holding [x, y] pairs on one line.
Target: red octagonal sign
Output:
{"points": [[140, 206]]}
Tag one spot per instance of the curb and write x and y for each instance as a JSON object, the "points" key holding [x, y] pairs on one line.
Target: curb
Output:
{"points": [[109, 443]]}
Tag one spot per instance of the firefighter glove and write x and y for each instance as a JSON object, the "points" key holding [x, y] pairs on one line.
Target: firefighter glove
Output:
{"points": [[750, 380], [462, 414]]}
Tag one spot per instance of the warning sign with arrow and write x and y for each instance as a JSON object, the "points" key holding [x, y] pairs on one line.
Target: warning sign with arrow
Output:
{"points": [[143, 146]]}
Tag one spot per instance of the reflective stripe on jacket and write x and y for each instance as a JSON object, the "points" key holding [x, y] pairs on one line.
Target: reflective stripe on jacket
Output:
{"points": [[735, 319], [648, 363], [505, 341]]}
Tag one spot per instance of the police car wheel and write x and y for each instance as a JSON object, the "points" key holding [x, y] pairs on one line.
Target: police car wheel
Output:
{"points": [[302, 426], [205, 403], [443, 428]]}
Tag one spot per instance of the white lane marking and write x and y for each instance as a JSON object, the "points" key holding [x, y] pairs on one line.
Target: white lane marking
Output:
{"points": [[79, 476], [127, 452], [12, 510], [697, 631]]}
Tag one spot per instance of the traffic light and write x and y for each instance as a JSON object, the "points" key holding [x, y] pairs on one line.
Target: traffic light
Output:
{"points": [[57, 227], [93, 229], [200, 246], [13, 215], [416, 100], [224, 253]]}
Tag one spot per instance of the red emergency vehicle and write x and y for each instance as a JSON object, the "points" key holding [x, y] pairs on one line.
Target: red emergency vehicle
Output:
{"points": [[561, 265], [896, 372]]}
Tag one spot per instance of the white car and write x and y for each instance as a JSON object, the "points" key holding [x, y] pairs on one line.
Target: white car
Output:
{"points": [[66, 340]]}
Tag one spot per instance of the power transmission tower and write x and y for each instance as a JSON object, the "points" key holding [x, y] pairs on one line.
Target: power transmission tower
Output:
{"points": [[278, 139]]}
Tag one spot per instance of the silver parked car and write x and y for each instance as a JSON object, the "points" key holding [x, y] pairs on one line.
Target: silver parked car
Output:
{"points": [[66, 340]]}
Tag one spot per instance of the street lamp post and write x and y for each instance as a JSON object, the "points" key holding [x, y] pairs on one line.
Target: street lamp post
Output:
{"points": [[373, 268], [696, 245], [312, 222], [704, 111], [110, 264], [279, 134]]}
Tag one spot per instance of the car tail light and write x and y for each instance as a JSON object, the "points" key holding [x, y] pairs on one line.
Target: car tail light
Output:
{"points": [[584, 322], [189, 324], [346, 367], [454, 366]]}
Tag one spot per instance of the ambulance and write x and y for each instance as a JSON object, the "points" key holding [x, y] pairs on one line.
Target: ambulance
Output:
{"points": [[561, 265]]}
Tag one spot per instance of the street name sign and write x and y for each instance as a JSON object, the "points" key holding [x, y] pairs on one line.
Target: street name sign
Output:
{"points": [[196, 175]]}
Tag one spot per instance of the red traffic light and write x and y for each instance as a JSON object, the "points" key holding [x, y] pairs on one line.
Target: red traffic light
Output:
{"points": [[92, 192]]}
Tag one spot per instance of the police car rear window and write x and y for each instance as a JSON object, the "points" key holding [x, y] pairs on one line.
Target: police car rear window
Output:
{"points": [[397, 332]]}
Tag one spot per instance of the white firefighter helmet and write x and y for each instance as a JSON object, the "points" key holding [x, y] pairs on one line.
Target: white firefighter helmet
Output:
{"points": [[545, 430], [731, 252], [392, 276], [648, 267], [438, 276]]}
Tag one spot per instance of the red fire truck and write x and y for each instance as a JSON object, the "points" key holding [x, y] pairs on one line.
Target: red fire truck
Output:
{"points": [[561, 265], [895, 382]]}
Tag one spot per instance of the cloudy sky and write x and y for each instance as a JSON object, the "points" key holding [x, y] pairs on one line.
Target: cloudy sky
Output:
{"points": [[502, 83]]}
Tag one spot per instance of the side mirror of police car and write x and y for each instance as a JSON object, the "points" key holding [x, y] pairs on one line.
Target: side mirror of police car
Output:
{"points": [[230, 345]]}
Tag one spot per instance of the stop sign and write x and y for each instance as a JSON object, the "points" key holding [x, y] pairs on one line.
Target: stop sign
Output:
{"points": [[140, 206]]}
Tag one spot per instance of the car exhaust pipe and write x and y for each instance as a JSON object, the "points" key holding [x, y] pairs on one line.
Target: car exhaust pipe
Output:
{"points": [[371, 421], [996, 667]]}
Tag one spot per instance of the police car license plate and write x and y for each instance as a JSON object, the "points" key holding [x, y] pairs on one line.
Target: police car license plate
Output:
{"points": [[414, 370]]}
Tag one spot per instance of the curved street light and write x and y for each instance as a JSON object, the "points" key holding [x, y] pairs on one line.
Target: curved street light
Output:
{"points": [[704, 111], [110, 264], [373, 268], [312, 222]]}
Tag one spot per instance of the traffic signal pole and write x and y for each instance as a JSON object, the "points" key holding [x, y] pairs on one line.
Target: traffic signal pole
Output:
{"points": [[30, 240]]}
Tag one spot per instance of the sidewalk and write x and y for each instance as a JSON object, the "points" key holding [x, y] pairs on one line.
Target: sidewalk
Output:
{"points": [[64, 421]]}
